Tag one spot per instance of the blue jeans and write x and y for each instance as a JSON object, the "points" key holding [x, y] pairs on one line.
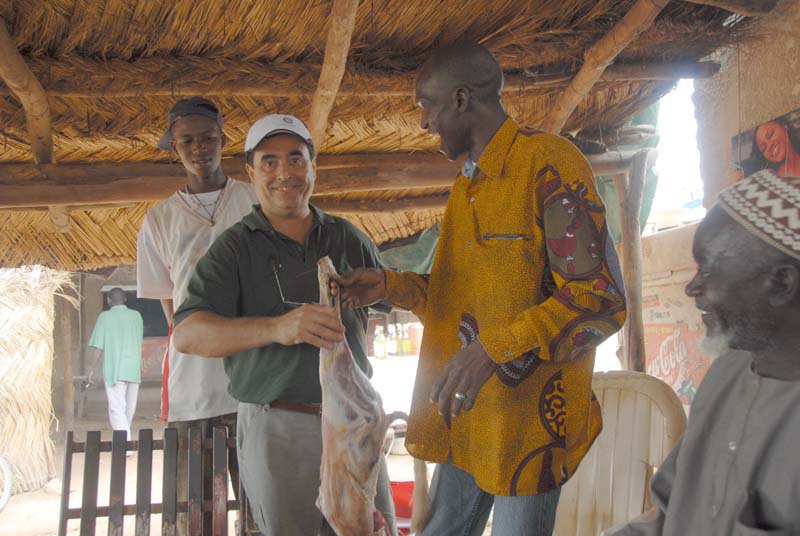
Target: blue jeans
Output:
{"points": [[461, 508]]}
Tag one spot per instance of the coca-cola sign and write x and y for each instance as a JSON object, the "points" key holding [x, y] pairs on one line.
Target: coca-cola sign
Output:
{"points": [[674, 356]]}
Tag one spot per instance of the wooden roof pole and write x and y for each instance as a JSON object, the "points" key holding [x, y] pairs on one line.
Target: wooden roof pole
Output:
{"points": [[103, 81], [630, 194], [337, 48], [598, 57], [101, 183], [24, 85], [748, 8]]}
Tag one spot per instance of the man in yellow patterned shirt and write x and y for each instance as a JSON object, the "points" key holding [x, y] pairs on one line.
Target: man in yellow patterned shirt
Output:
{"points": [[525, 284]]}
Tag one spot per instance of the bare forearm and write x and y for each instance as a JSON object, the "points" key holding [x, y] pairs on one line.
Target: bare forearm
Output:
{"points": [[169, 310], [93, 356], [211, 335]]}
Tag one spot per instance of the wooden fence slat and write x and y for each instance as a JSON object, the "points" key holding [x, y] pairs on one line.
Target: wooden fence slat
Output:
{"points": [[244, 510], [195, 506], [69, 445], [170, 483], [90, 481], [144, 478], [219, 508], [116, 491]]}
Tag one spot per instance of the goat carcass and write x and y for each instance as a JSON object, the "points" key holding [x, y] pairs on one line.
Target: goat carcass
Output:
{"points": [[353, 429]]}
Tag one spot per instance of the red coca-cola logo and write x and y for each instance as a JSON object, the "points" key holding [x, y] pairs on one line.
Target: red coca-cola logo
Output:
{"points": [[672, 354]]}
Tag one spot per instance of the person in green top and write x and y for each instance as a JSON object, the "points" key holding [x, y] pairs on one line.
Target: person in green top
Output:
{"points": [[252, 300], [117, 338]]}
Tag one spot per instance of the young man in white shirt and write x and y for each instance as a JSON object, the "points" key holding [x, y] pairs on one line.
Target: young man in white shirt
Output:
{"points": [[173, 237]]}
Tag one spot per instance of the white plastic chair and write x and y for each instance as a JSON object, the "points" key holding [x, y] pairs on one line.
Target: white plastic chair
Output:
{"points": [[643, 419]]}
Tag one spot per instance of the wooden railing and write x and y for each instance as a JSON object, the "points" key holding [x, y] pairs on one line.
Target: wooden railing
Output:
{"points": [[201, 510]]}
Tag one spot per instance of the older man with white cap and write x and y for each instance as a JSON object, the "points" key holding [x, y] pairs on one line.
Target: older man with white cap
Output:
{"points": [[252, 300], [735, 472]]}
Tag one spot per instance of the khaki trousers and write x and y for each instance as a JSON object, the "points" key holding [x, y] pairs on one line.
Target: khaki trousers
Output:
{"points": [[280, 453]]}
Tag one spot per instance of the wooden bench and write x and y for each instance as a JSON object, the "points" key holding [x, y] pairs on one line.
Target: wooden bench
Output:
{"points": [[200, 509]]}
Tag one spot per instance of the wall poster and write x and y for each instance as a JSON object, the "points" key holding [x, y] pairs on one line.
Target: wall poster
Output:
{"points": [[774, 144]]}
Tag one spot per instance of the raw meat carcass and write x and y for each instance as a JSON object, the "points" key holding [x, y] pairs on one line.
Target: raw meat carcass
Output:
{"points": [[353, 429]]}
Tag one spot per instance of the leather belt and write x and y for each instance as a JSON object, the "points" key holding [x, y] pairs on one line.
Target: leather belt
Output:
{"points": [[312, 409]]}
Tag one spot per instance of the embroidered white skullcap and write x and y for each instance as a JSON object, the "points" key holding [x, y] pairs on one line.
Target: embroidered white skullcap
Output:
{"points": [[768, 206]]}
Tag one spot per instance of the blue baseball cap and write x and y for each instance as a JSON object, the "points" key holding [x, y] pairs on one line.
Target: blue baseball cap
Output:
{"points": [[191, 106]]}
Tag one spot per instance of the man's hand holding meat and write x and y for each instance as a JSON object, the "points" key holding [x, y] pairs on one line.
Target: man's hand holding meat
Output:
{"points": [[312, 324], [361, 287]]}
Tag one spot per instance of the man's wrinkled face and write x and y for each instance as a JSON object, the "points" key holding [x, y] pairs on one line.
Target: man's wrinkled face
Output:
{"points": [[729, 288], [440, 114], [282, 175]]}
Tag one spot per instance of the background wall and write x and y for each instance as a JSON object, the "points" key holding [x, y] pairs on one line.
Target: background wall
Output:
{"points": [[758, 80]]}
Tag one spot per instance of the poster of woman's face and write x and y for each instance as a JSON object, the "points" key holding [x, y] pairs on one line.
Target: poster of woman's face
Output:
{"points": [[774, 144]]}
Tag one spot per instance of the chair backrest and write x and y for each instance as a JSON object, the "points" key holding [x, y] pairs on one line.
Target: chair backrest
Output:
{"points": [[643, 419], [201, 509]]}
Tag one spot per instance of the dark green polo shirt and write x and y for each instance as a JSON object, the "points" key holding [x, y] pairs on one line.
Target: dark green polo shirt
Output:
{"points": [[236, 278]]}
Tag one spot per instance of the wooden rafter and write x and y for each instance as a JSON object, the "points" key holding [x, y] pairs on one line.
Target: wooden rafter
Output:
{"points": [[598, 57], [748, 8], [105, 80], [101, 183], [342, 21], [24, 85], [635, 71]]}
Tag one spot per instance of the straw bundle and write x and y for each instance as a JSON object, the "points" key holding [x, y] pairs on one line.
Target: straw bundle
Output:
{"points": [[26, 364]]}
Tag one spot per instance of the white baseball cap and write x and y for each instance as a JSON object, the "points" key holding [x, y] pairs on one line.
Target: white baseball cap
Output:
{"points": [[277, 124]]}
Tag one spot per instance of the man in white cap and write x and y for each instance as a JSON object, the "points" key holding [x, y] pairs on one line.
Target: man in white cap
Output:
{"points": [[735, 472], [173, 237], [252, 299]]}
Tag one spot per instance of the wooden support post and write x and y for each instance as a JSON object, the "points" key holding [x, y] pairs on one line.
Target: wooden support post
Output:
{"points": [[599, 57], [342, 21], [63, 347], [630, 193]]}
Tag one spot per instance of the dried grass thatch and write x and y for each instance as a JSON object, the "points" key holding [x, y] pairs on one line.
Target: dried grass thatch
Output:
{"points": [[114, 67], [26, 365]]}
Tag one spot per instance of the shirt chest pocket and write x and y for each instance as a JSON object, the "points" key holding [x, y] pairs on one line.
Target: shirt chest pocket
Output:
{"points": [[509, 245], [506, 228], [503, 216]]}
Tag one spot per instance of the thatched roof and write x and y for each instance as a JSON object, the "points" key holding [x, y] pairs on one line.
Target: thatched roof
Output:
{"points": [[113, 68]]}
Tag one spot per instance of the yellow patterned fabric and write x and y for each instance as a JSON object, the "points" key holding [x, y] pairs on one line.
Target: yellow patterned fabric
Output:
{"points": [[525, 264]]}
